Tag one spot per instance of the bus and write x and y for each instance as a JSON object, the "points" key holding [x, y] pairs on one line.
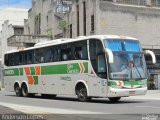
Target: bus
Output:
{"points": [[98, 66]]}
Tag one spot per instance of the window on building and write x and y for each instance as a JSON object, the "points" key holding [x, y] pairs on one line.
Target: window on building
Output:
{"points": [[77, 20], [47, 20], [70, 30], [84, 18], [37, 29], [92, 23], [77, 1]]}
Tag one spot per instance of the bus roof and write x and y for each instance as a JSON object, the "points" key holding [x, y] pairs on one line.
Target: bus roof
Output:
{"points": [[68, 40]]}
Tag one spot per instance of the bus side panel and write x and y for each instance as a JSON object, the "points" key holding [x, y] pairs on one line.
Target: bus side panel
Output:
{"points": [[9, 82]]}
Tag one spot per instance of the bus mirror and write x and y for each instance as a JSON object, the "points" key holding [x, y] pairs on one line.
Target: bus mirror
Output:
{"points": [[149, 52], [110, 55]]}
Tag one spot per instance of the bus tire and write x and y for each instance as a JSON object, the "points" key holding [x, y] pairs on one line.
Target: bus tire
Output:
{"points": [[24, 90], [114, 99], [17, 90], [82, 94]]}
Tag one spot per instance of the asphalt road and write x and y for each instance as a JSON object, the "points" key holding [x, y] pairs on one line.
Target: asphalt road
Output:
{"points": [[133, 109]]}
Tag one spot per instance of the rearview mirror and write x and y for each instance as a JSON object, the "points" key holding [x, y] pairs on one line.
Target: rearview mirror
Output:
{"points": [[149, 52]]}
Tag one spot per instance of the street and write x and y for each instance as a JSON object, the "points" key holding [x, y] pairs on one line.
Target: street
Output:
{"points": [[97, 108]]}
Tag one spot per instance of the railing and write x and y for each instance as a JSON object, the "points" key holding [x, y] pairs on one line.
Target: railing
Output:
{"points": [[151, 3], [152, 47], [26, 40]]}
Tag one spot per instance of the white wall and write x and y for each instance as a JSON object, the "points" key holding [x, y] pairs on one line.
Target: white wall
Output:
{"points": [[9, 17]]}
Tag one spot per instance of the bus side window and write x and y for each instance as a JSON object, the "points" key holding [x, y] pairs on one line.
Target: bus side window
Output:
{"points": [[47, 55], [7, 60], [39, 56], [18, 58], [80, 51], [54, 55], [29, 57], [59, 54], [66, 52], [11, 59]]}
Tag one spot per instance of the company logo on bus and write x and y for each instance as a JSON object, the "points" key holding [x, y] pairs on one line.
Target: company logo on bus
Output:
{"points": [[9, 72], [71, 69]]}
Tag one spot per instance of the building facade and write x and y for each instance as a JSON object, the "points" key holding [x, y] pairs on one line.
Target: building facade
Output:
{"points": [[44, 17], [10, 24], [135, 18]]}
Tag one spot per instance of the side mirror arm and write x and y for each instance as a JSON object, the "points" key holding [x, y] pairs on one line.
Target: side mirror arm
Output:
{"points": [[149, 52]]}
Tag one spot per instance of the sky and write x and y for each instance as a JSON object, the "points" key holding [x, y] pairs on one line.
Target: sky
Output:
{"points": [[16, 3]]}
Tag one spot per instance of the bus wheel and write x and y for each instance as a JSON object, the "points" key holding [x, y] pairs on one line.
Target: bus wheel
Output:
{"points": [[24, 90], [17, 90], [82, 94], [114, 99]]}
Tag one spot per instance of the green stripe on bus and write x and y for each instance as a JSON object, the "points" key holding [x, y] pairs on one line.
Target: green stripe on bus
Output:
{"points": [[35, 80], [73, 68], [86, 67], [13, 72], [32, 69], [53, 69], [138, 82], [21, 71], [128, 83], [63, 69]]}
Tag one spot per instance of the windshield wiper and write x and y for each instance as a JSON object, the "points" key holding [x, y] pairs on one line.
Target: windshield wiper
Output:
{"points": [[137, 70]]}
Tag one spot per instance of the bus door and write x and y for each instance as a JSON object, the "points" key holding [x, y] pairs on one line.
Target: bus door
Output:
{"points": [[98, 62]]}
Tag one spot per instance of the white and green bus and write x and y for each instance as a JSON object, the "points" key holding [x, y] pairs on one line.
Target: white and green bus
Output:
{"points": [[90, 67]]}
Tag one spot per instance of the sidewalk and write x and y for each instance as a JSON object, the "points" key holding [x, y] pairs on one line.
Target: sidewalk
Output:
{"points": [[6, 110]]}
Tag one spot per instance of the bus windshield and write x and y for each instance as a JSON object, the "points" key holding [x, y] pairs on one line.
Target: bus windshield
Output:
{"points": [[129, 62]]}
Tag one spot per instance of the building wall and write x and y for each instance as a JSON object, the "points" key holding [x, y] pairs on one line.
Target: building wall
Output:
{"points": [[14, 16], [48, 23], [11, 15], [90, 10], [140, 22], [7, 31]]}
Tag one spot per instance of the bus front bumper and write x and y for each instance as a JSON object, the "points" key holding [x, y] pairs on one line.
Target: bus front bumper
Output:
{"points": [[118, 92]]}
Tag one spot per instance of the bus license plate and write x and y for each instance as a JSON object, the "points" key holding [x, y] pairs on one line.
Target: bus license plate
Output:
{"points": [[132, 92]]}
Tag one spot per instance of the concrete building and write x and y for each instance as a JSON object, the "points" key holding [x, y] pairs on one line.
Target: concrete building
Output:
{"points": [[9, 25], [11, 15], [135, 18], [44, 17]]}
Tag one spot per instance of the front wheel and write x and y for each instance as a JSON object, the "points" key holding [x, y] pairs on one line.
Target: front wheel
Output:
{"points": [[114, 99], [82, 95]]}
